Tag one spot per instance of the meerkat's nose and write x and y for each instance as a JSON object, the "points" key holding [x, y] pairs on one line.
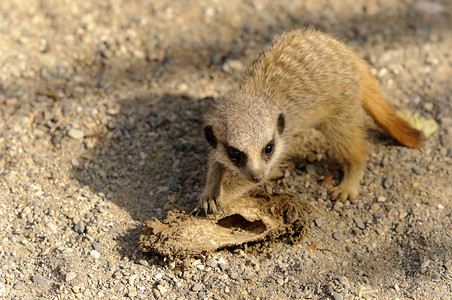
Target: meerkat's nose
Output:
{"points": [[257, 178]]}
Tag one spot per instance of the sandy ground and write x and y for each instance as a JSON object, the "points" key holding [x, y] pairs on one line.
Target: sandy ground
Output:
{"points": [[100, 130]]}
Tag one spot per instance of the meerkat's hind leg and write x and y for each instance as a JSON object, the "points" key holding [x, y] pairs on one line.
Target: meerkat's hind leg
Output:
{"points": [[350, 143]]}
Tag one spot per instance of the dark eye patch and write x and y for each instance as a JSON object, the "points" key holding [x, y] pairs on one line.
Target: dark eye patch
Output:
{"points": [[237, 156], [269, 149]]}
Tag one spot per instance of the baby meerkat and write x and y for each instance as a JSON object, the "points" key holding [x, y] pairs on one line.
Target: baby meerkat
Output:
{"points": [[304, 79]]}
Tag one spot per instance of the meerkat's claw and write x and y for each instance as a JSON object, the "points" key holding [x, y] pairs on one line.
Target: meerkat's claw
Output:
{"points": [[343, 193], [220, 207]]}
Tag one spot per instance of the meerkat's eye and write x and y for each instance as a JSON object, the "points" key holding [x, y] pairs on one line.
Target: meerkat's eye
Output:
{"points": [[237, 156], [268, 150]]}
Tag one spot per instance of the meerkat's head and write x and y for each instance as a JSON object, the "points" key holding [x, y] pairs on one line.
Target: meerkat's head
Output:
{"points": [[246, 134]]}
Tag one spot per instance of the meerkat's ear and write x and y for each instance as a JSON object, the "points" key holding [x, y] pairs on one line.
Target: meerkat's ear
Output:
{"points": [[210, 136], [281, 123]]}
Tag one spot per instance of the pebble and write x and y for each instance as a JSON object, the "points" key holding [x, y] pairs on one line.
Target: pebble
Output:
{"points": [[319, 222], [39, 279], [25, 212], [75, 133], [337, 235], [429, 7], [211, 263], [143, 262], [232, 65], [428, 106], [416, 170], [196, 287], [156, 293], [94, 254], [79, 227], [132, 292], [446, 122], [359, 223], [388, 182], [163, 290], [70, 276], [338, 205], [52, 227], [113, 109], [311, 169], [337, 296], [18, 285], [75, 163], [381, 199], [222, 266]]}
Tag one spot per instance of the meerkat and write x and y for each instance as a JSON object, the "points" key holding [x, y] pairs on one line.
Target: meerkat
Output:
{"points": [[304, 79]]}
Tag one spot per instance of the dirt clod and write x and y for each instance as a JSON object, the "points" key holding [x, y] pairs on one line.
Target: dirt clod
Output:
{"points": [[248, 219]]}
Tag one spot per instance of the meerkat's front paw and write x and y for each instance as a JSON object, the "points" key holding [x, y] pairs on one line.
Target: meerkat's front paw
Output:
{"points": [[209, 203], [343, 191]]}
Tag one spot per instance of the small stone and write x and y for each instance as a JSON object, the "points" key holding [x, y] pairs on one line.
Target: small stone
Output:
{"points": [[132, 292], [381, 199], [25, 212], [222, 266], [79, 227], [359, 223], [402, 214], [11, 101], [209, 11], [75, 133], [389, 181], [94, 254], [338, 206], [143, 262], [75, 163], [221, 260], [182, 87], [429, 7], [211, 263], [338, 296], [156, 293], [70, 276], [113, 108], [448, 264], [428, 106], [18, 285], [382, 73], [310, 169], [337, 235], [233, 65], [446, 122], [162, 289], [89, 215], [196, 287], [39, 279], [52, 227], [416, 170], [319, 222]]}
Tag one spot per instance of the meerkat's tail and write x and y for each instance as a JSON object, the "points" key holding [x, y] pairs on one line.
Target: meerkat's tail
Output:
{"points": [[385, 116]]}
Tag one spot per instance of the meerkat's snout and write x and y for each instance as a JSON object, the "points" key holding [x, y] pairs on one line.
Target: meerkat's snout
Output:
{"points": [[257, 178], [255, 174]]}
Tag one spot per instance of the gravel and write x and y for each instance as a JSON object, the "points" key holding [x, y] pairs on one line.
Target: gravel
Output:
{"points": [[101, 130]]}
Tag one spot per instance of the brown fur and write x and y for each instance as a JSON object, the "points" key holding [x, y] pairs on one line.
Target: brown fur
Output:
{"points": [[303, 79]]}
